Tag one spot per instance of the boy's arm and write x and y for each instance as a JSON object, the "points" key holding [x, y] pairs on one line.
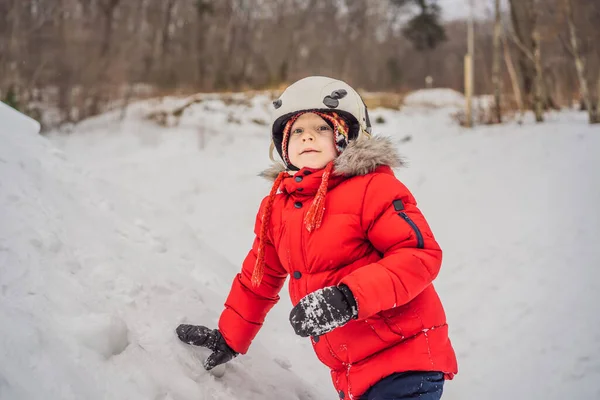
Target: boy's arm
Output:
{"points": [[411, 256], [246, 306]]}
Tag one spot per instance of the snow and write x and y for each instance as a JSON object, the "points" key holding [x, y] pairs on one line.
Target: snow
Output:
{"points": [[93, 281], [319, 313], [116, 233], [13, 120], [434, 98]]}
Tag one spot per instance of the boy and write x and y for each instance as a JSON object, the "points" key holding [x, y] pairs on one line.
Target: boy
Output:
{"points": [[361, 255]]}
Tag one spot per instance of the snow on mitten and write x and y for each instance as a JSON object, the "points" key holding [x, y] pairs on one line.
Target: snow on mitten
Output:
{"points": [[212, 339], [324, 310]]}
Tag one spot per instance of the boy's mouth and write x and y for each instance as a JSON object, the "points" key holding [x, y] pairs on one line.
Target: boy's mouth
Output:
{"points": [[308, 151]]}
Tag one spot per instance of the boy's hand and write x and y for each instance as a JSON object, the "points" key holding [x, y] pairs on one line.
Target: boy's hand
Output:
{"points": [[212, 339], [324, 310]]}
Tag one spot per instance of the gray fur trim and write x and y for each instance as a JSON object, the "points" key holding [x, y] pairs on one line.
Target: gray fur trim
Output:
{"points": [[365, 155], [359, 158], [273, 171]]}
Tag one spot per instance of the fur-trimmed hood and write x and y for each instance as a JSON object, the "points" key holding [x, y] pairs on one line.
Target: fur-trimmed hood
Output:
{"points": [[360, 157]]}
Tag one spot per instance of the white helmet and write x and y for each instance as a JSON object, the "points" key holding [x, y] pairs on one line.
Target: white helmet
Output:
{"points": [[320, 93]]}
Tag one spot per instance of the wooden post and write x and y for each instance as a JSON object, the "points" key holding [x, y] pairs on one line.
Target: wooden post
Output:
{"points": [[468, 91]]}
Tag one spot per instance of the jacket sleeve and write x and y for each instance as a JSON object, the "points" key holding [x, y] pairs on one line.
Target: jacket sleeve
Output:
{"points": [[246, 306], [411, 256]]}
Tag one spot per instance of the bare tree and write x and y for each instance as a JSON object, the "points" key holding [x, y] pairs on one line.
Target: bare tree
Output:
{"points": [[81, 57], [532, 52], [538, 98], [513, 77], [522, 26], [594, 116], [496, 77]]}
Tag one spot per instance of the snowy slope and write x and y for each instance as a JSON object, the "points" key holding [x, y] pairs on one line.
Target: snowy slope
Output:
{"points": [[93, 281], [132, 228]]}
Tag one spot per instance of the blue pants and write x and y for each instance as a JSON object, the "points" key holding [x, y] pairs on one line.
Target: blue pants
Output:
{"points": [[419, 385]]}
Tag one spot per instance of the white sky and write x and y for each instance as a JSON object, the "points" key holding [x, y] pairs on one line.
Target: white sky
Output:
{"points": [[460, 8]]}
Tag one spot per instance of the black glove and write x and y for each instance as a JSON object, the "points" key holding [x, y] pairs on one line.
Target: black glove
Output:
{"points": [[324, 310], [211, 339]]}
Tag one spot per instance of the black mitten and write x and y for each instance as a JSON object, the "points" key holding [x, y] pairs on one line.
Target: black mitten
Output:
{"points": [[212, 339], [324, 310]]}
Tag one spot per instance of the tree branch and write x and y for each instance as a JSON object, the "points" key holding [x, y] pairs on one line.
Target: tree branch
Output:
{"points": [[513, 37]]}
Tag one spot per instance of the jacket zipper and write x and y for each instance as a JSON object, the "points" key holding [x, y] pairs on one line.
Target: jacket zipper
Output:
{"points": [[415, 228]]}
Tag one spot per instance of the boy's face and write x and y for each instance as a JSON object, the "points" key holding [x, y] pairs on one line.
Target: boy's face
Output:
{"points": [[311, 142]]}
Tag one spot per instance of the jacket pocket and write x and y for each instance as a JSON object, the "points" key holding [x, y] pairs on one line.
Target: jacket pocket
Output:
{"points": [[390, 319], [355, 341], [404, 321], [325, 353], [414, 227]]}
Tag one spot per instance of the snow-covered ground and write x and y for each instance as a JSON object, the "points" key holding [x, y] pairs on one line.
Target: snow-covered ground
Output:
{"points": [[434, 98], [114, 234]]}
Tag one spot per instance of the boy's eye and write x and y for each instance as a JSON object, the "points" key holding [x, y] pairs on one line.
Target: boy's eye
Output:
{"points": [[297, 131], [324, 128]]}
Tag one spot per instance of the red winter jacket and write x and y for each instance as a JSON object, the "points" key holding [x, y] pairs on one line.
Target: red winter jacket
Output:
{"points": [[374, 239]]}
